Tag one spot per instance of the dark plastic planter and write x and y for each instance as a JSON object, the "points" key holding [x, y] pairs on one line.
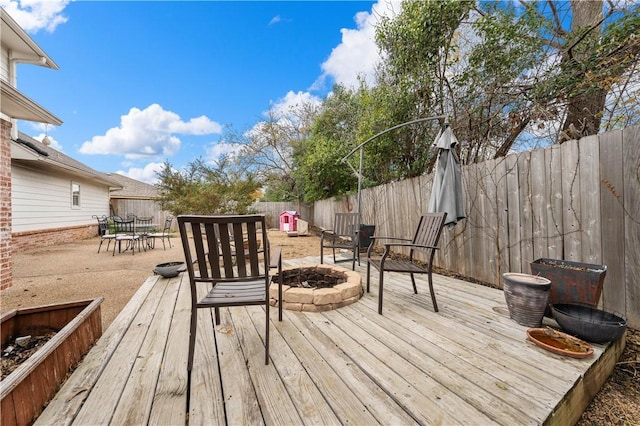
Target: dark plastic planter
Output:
{"points": [[571, 282], [588, 323]]}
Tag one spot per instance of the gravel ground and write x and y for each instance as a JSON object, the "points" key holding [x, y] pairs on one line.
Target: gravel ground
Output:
{"points": [[75, 271]]}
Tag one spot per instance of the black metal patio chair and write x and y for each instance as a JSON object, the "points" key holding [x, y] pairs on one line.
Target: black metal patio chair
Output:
{"points": [[236, 277], [343, 236], [424, 241]]}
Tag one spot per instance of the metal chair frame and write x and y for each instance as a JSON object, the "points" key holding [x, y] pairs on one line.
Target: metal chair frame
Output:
{"points": [[344, 235], [165, 234], [236, 277], [425, 241]]}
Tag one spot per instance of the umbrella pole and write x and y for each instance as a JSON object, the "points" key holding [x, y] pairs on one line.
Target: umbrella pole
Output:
{"points": [[361, 148]]}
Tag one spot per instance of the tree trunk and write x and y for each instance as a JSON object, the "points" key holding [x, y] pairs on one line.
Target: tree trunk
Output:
{"points": [[584, 108]]}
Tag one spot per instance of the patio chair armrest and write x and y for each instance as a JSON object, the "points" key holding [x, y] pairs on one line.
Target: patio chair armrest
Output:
{"points": [[389, 245], [373, 237], [276, 259]]}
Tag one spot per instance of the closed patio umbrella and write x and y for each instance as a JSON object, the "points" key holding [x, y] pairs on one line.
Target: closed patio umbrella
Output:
{"points": [[446, 193]]}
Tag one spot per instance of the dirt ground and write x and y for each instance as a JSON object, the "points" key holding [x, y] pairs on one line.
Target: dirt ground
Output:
{"points": [[75, 271]]}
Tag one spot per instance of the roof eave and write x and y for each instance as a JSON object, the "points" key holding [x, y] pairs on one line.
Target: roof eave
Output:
{"points": [[20, 42], [17, 105]]}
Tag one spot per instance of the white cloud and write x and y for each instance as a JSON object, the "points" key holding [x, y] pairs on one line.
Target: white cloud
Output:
{"points": [[147, 174], [284, 106], [357, 54], [275, 20], [36, 15], [149, 133]]}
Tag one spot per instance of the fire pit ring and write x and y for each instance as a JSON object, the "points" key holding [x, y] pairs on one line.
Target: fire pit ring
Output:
{"points": [[313, 296]]}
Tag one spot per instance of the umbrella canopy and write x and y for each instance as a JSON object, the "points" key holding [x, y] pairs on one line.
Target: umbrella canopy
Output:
{"points": [[446, 193]]}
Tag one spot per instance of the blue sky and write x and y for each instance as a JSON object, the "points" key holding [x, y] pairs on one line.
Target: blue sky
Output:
{"points": [[144, 82]]}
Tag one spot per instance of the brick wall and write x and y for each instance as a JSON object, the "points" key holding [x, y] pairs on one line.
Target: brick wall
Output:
{"points": [[22, 241], [6, 262]]}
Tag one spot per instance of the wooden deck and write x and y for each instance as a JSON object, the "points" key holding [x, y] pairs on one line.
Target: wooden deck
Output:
{"points": [[467, 364]]}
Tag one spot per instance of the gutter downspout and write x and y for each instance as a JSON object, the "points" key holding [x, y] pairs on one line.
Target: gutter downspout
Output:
{"points": [[13, 80]]}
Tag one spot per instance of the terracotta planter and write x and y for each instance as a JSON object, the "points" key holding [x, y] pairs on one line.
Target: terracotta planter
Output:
{"points": [[27, 389], [571, 282], [527, 297]]}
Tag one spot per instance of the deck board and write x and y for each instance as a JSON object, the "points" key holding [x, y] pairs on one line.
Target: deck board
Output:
{"points": [[467, 364]]}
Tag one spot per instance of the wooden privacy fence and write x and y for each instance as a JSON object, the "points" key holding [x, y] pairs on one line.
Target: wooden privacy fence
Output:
{"points": [[577, 201]]}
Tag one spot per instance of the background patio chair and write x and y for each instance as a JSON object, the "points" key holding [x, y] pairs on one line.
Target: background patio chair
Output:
{"points": [[144, 225], [343, 236], [104, 232], [425, 240], [165, 234], [125, 231], [235, 277]]}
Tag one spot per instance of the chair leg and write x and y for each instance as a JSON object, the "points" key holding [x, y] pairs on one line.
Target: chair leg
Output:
{"points": [[433, 294], [101, 241], [217, 315], [192, 339], [413, 281], [280, 296], [380, 291], [368, 274], [266, 334]]}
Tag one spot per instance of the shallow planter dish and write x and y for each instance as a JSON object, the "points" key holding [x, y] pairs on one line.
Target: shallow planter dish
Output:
{"points": [[77, 325], [559, 342], [169, 269], [588, 323]]}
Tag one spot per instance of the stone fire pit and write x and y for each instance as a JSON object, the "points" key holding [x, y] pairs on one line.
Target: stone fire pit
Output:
{"points": [[316, 288]]}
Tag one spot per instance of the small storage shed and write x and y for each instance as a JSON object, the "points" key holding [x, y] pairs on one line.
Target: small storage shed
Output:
{"points": [[288, 220]]}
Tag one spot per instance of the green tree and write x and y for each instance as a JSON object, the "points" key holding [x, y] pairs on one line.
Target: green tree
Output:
{"points": [[201, 189]]}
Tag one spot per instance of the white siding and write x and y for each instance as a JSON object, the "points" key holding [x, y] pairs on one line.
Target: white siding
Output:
{"points": [[4, 64], [42, 200]]}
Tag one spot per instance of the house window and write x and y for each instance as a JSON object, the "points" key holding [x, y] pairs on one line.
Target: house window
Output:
{"points": [[75, 194]]}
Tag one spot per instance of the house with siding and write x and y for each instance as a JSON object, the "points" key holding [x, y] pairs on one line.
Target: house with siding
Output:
{"points": [[46, 197], [53, 196]]}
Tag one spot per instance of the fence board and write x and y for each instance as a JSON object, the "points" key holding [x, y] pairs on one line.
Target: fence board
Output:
{"points": [[502, 211], [553, 167], [526, 221], [591, 240], [513, 213], [571, 200], [538, 206], [490, 216], [631, 167], [612, 211]]}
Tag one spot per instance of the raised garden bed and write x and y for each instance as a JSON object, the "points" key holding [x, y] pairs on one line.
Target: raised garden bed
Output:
{"points": [[77, 325]]}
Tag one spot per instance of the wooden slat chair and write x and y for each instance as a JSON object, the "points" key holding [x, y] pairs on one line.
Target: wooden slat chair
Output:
{"points": [[237, 277], [344, 235], [425, 240]]}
